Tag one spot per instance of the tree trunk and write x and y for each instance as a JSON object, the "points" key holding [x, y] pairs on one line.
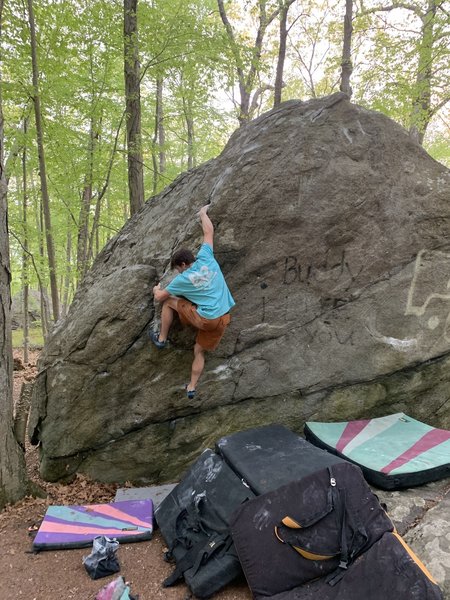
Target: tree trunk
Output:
{"points": [[421, 104], [161, 130], [187, 103], [45, 313], [133, 107], [125, 203], [68, 274], [346, 64], [159, 136], [13, 478], [42, 166], [94, 230], [25, 253], [21, 413], [83, 219], [244, 108], [284, 9]]}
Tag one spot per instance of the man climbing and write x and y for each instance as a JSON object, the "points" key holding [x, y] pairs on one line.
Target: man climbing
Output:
{"points": [[200, 296]]}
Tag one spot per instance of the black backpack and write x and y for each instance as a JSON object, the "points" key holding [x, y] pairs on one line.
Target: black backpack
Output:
{"points": [[194, 521]]}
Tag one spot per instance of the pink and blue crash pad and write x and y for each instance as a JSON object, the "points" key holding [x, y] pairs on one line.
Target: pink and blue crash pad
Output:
{"points": [[76, 526], [394, 452]]}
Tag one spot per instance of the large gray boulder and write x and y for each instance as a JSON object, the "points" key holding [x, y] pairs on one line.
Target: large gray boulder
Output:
{"points": [[332, 231]]}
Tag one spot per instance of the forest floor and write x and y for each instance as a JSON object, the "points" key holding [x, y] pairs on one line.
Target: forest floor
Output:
{"points": [[60, 575]]}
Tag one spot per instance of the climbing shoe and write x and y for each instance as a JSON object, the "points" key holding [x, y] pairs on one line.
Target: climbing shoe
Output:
{"points": [[189, 393], [154, 336]]}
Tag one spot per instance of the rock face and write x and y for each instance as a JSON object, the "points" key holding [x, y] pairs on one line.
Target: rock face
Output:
{"points": [[332, 232]]}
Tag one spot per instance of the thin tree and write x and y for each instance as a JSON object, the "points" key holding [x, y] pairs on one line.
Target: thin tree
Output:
{"points": [[13, 478], [346, 64], [68, 273], [39, 220], [189, 119], [284, 6], [159, 135], [42, 165], [25, 257], [421, 110], [133, 107], [249, 93], [85, 207]]}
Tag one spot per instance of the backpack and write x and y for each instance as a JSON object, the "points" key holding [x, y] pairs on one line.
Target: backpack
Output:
{"points": [[194, 521]]}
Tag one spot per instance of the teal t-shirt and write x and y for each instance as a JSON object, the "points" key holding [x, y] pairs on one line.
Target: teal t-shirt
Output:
{"points": [[203, 284]]}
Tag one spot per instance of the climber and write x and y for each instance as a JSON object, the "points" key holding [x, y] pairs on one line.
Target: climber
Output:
{"points": [[200, 296]]}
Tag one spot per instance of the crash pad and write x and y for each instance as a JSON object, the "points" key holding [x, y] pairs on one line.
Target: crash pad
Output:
{"points": [[394, 451], [307, 529], [389, 570], [193, 520], [156, 493], [270, 456], [76, 526]]}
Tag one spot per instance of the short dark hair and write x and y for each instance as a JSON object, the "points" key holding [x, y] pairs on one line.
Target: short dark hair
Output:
{"points": [[182, 256]]}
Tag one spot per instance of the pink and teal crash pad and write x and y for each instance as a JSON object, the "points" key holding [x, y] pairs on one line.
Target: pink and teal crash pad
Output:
{"points": [[394, 452]]}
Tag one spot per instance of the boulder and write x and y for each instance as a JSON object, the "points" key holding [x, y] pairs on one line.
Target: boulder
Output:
{"points": [[332, 232]]}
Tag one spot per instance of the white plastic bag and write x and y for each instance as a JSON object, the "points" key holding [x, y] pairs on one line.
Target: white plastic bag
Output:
{"points": [[102, 561]]}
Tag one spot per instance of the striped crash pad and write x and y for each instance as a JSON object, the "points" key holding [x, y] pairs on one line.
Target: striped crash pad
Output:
{"points": [[76, 526], [394, 452]]}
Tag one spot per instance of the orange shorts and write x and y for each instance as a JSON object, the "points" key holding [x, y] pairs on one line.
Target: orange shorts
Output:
{"points": [[210, 331]]}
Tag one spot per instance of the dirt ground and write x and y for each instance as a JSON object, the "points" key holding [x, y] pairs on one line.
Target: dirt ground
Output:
{"points": [[61, 575]]}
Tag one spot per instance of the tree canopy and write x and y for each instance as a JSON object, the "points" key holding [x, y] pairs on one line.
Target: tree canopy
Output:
{"points": [[205, 67]]}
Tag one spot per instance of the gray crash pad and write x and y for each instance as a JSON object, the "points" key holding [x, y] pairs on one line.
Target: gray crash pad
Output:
{"points": [[156, 493]]}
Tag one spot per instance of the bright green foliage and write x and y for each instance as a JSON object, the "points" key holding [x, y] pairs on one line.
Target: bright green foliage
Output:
{"points": [[81, 85], [184, 44], [437, 141], [181, 42], [404, 60]]}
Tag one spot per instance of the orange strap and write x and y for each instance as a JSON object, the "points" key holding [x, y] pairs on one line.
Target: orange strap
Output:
{"points": [[418, 562], [305, 553]]}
